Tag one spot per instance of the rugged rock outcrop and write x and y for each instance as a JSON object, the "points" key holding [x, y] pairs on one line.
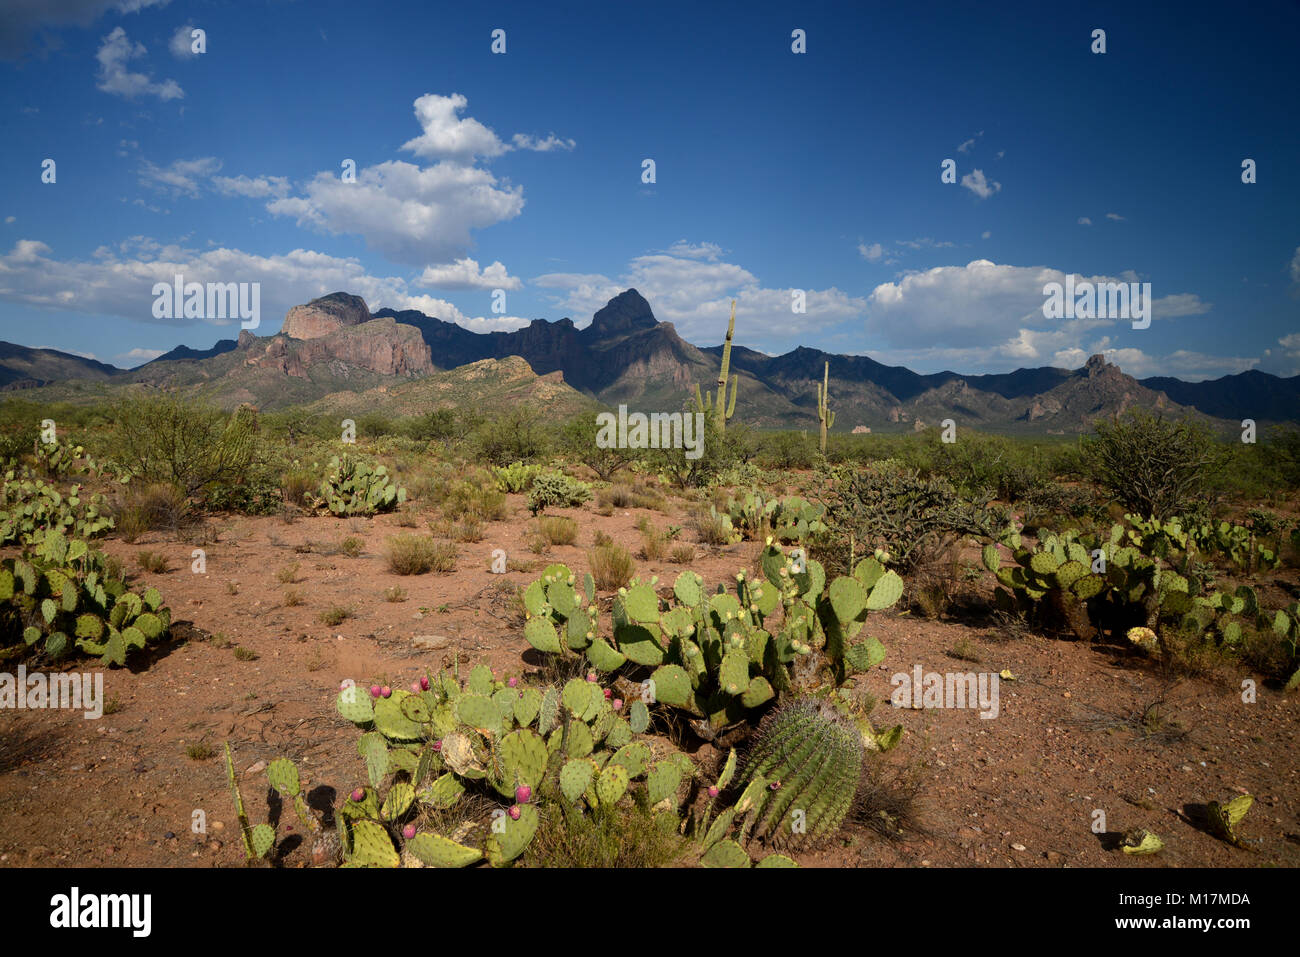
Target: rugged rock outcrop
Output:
{"points": [[380, 345], [325, 315]]}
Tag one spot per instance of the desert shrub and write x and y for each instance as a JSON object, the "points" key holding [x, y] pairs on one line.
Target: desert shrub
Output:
{"points": [[1048, 499], [153, 562], [145, 508], [892, 507], [579, 441], [410, 554], [371, 425], [717, 453], [334, 615], [468, 529], [436, 426], [620, 836], [517, 435], [712, 527], [977, 462], [17, 437], [654, 543], [557, 529], [296, 486], [611, 566], [415, 554], [556, 490], [1280, 448], [682, 554], [616, 496], [255, 495], [789, 450], [352, 546], [191, 446], [475, 497], [1154, 466]]}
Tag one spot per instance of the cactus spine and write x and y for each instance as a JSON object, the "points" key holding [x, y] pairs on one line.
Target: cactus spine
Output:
{"points": [[824, 415], [723, 408]]}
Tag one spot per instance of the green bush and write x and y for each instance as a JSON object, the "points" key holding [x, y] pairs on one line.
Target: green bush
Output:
{"points": [[789, 450], [1152, 465], [893, 507], [164, 439], [518, 435], [556, 490], [579, 441]]}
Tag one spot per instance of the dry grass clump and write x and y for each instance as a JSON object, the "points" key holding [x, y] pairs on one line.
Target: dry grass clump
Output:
{"points": [[611, 566], [411, 554], [557, 529]]}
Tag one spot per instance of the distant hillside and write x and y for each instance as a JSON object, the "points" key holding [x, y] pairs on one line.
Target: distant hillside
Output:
{"points": [[1251, 395], [24, 368], [334, 353], [487, 386]]}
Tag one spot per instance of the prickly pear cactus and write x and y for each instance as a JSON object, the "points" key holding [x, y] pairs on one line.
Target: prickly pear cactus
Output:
{"points": [[351, 487]]}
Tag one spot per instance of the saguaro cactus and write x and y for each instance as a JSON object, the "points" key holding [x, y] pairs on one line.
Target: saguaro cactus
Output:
{"points": [[824, 415], [722, 408]]}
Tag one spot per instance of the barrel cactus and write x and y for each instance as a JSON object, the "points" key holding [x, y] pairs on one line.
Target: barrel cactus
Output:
{"points": [[802, 773]]}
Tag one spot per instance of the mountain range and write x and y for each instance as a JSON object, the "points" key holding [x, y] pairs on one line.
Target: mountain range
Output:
{"points": [[333, 353]]}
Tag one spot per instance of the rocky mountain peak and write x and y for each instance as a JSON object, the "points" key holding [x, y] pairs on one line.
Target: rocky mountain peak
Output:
{"points": [[327, 314], [626, 312], [1097, 365]]}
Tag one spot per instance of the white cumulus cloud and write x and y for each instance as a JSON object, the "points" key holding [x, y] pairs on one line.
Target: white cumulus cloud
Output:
{"points": [[695, 295], [116, 78], [977, 184], [182, 44], [465, 274]]}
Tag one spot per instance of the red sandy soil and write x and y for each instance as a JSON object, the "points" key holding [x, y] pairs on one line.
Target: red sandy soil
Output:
{"points": [[1021, 790]]}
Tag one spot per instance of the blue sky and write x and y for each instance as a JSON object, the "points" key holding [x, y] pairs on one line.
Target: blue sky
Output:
{"points": [[774, 171]]}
